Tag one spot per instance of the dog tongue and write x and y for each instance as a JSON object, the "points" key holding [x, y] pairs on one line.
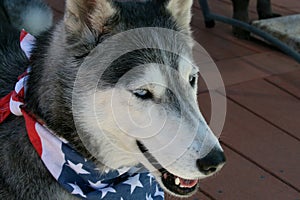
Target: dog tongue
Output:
{"points": [[187, 183]]}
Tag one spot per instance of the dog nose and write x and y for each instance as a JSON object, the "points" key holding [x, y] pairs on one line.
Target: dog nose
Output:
{"points": [[211, 162]]}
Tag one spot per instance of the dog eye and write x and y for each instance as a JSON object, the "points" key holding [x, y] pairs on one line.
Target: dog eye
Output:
{"points": [[143, 94], [193, 79]]}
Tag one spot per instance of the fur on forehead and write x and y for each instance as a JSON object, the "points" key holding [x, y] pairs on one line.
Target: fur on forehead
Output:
{"points": [[137, 60]]}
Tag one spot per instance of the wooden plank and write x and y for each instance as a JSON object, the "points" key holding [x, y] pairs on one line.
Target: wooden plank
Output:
{"points": [[198, 196], [241, 179], [236, 70], [289, 82], [283, 10], [57, 9], [220, 48], [57, 16], [217, 6], [270, 102], [224, 7], [259, 141], [272, 62], [292, 5], [233, 71], [58, 5]]}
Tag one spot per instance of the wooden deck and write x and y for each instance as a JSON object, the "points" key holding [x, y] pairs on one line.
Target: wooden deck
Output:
{"points": [[261, 137]]}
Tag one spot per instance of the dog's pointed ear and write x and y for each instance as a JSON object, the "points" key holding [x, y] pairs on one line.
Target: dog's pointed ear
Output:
{"points": [[87, 13], [181, 12]]}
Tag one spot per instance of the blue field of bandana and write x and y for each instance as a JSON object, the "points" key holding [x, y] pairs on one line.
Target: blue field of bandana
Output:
{"points": [[81, 178]]}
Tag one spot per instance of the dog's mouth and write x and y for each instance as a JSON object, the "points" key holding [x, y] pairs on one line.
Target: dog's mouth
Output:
{"points": [[175, 184], [178, 185]]}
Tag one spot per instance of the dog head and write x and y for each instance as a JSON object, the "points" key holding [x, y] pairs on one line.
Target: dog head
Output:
{"points": [[134, 98]]}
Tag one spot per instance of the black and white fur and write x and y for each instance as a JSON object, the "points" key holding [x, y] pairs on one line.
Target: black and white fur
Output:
{"points": [[72, 45]]}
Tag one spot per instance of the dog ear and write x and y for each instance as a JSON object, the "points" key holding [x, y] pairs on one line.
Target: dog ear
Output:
{"points": [[87, 13], [181, 11]]}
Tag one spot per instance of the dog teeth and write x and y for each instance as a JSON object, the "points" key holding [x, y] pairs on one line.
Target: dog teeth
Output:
{"points": [[177, 181]]}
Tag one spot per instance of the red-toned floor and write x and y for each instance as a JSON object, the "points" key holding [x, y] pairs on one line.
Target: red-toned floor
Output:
{"points": [[261, 137]]}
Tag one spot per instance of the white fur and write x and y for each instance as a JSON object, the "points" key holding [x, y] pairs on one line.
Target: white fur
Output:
{"points": [[116, 119]]}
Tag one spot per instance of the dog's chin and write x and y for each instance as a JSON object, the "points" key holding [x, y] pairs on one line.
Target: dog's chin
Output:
{"points": [[178, 186]]}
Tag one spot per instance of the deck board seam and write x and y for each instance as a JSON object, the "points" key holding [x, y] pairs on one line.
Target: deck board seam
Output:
{"points": [[261, 167], [207, 194], [261, 117], [282, 88]]}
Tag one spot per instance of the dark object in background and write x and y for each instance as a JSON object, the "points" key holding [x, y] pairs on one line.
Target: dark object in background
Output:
{"points": [[240, 12]]}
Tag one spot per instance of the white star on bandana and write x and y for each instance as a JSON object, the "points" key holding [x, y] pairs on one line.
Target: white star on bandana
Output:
{"points": [[158, 193], [98, 185], [149, 197], [106, 190], [134, 182], [123, 170], [150, 178], [77, 190], [78, 168]]}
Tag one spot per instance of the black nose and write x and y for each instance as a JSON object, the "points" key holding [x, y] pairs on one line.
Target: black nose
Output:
{"points": [[211, 162]]}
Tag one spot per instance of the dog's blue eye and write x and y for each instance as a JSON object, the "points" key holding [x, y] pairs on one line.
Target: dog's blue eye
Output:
{"points": [[143, 94]]}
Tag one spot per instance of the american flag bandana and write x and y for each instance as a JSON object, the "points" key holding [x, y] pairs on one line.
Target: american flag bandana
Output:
{"points": [[76, 174]]}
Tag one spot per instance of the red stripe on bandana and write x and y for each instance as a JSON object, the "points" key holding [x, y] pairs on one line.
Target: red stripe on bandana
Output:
{"points": [[17, 96], [4, 107], [32, 133], [30, 122], [23, 35]]}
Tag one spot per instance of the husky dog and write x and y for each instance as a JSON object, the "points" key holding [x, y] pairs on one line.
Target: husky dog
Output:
{"points": [[34, 15], [146, 82], [240, 12]]}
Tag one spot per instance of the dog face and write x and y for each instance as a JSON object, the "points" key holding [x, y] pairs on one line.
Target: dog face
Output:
{"points": [[141, 106]]}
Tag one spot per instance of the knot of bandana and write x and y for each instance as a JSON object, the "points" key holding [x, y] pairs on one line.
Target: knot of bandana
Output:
{"points": [[76, 174]]}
